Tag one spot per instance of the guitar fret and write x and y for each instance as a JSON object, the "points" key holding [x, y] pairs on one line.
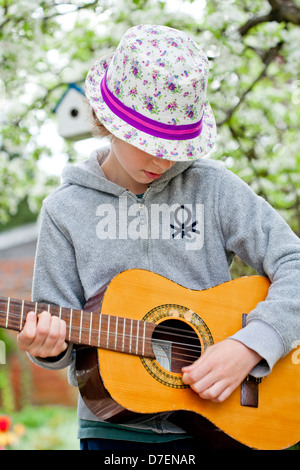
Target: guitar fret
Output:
{"points": [[123, 338], [99, 330], [130, 338], [7, 312], [80, 328], [22, 313], [116, 333], [144, 337], [107, 338], [90, 332], [70, 324], [137, 337]]}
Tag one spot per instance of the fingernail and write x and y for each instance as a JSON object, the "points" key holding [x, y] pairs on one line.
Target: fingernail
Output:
{"points": [[31, 314]]}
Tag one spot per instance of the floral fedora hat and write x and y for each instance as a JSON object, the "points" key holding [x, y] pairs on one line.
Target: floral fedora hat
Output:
{"points": [[151, 93]]}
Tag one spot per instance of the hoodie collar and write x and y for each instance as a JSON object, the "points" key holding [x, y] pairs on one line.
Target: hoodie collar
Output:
{"points": [[89, 174]]}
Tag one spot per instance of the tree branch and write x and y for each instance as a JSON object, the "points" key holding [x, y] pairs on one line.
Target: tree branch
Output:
{"points": [[251, 155], [5, 11], [56, 13], [270, 55], [243, 30], [281, 11], [76, 8]]}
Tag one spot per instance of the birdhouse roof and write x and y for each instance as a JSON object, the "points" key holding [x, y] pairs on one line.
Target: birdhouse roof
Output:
{"points": [[71, 86]]}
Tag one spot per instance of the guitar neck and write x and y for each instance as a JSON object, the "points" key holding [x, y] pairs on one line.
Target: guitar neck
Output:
{"points": [[85, 328]]}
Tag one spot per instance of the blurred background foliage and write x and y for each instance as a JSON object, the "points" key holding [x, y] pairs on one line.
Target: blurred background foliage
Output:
{"points": [[254, 86]]}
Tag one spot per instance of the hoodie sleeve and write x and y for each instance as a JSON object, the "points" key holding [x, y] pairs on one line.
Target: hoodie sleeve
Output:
{"points": [[254, 231], [55, 279]]}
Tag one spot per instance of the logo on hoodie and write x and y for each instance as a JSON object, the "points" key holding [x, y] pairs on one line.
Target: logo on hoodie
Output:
{"points": [[185, 227], [179, 223]]}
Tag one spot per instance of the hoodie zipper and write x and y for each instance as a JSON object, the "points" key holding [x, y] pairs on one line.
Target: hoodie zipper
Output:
{"points": [[143, 221], [141, 204]]}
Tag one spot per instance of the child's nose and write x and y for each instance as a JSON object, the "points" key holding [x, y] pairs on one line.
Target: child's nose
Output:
{"points": [[164, 164]]}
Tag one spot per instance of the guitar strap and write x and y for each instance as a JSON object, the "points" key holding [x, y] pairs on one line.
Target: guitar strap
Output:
{"points": [[249, 386]]}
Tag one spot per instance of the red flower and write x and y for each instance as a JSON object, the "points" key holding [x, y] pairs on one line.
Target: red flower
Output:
{"points": [[5, 423]]}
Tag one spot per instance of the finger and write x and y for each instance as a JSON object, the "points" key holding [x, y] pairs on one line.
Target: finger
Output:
{"points": [[42, 331], [200, 362], [202, 385], [26, 337], [55, 342], [223, 396], [217, 393], [196, 372], [192, 366]]}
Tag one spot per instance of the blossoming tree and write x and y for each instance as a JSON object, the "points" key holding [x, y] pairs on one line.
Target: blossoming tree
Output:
{"points": [[254, 51]]}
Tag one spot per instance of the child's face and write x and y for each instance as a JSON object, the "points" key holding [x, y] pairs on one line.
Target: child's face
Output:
{"points": [[134, 168]]}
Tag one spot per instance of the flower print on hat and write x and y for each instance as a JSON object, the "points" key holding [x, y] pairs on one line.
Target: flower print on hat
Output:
{"points": [[151, 93]]}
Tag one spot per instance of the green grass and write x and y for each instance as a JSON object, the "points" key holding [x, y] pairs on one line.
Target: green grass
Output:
{"points": [[47, 428], [51, 428]]}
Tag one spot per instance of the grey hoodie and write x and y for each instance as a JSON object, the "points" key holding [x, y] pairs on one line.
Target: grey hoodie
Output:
{"points": [[187, 227]]}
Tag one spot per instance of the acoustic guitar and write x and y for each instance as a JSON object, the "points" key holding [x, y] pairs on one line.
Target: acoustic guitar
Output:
{"points": [[133, 340]]}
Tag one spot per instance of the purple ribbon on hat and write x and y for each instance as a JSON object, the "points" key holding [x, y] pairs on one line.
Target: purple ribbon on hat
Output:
{"points": [[144, 124]]}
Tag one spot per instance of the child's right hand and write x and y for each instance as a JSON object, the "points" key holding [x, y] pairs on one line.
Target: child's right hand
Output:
{"points": [[43, 335], [220, 370]]}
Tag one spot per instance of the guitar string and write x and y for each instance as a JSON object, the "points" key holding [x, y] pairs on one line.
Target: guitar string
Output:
{"points": [[174, 330], [177, 356], [147, 341], [182, 333], [180, 346]]}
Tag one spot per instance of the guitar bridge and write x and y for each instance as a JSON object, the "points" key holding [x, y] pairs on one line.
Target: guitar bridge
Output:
{"points": [[249, 386], [249, 391]]}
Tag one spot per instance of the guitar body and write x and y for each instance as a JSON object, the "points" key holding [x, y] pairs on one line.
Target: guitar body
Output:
{"points": [[115, 385]]}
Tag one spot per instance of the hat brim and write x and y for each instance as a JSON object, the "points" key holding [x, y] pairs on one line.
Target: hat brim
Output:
{"points": [[175, 150]]}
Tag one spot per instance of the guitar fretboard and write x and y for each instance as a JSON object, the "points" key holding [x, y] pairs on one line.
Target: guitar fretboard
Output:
{"points": [[85, 328]]}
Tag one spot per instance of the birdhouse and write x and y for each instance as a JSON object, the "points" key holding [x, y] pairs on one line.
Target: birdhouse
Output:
{"points": [[72, 114]]}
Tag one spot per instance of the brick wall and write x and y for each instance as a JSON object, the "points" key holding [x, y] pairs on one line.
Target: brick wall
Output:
{"points": [[46, 387]]}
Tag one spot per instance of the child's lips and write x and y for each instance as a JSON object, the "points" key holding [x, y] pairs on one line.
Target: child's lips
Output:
{"points": [[151, 175]]}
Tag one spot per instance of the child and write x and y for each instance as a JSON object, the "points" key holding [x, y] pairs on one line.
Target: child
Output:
{"points": [[150, 98]]}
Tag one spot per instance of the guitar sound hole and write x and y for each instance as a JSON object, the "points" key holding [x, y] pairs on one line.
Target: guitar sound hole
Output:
{"points": [[175, 345]]}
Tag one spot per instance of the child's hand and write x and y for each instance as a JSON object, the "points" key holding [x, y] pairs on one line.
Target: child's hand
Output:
{"points": [[43, 335], [220, 370]]}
